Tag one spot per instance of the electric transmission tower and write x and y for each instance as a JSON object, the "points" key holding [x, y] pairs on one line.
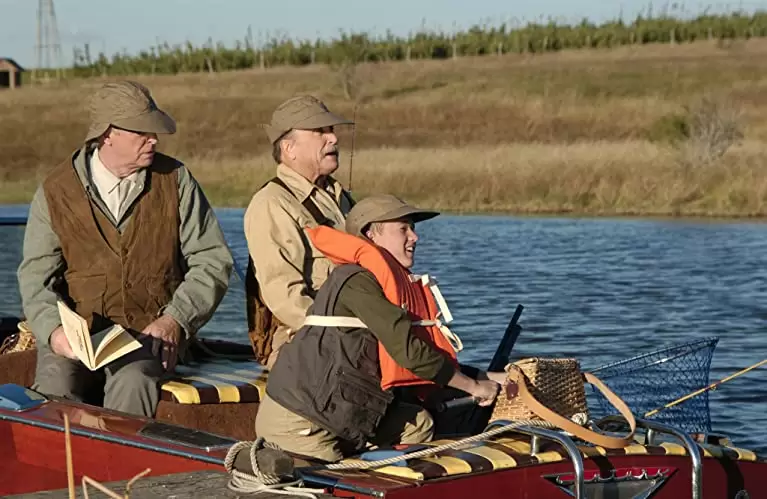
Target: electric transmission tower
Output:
{"points": [[48, 47]]}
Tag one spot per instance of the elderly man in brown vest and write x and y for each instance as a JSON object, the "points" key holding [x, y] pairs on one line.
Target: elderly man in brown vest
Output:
{"points": [[124, 235], [285, 271]]}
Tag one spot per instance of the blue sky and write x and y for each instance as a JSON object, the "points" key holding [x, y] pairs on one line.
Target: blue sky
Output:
{"points": [[132, 25]]}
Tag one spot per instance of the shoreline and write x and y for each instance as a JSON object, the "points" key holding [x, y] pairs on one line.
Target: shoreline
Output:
{"points": [[621, 180], [560, 215]]}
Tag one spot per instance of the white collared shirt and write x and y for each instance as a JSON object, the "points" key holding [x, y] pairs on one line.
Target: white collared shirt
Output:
{"points": [[110, 188]]}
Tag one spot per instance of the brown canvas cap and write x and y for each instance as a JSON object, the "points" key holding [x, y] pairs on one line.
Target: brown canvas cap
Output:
{"points": [[128, 105], [304, 113], [382, 208]]}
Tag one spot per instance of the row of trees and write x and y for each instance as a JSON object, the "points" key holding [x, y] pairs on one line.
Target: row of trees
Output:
{"points": [[359, 47]]}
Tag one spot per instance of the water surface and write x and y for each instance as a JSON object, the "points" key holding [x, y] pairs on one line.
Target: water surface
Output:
{"points": [[600, 290]]}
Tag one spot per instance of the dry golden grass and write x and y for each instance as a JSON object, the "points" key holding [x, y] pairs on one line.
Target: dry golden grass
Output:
{"points": [[627, 178], [566, 132]]}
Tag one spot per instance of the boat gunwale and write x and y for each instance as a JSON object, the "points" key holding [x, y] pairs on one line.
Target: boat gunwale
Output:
{"points": [[137, 441]]}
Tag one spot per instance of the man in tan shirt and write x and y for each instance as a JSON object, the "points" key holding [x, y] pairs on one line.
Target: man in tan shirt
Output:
{"points": [[285, 271]]}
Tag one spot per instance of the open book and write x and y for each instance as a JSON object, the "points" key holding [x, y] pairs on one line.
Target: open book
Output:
{"points": [[99, 349]]}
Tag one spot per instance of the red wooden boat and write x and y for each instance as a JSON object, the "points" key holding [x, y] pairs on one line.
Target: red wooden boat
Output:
{"points": [[211, 405], [526, 462], [212, 402]]}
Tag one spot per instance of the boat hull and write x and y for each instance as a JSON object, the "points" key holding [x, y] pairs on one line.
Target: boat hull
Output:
{"points": [[110, 446], [232, 419], [722, 480], [105, 447]]}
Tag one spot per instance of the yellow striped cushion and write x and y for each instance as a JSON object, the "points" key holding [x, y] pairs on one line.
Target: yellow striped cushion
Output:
{"points": [[514, 451], [216, 381]]}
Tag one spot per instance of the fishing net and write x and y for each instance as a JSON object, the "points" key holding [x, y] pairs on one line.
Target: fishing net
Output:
{"points": [[652, 380]]}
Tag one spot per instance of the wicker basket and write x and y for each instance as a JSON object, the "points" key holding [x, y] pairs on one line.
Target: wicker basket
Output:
{"points": [[553, 390], [19, 342], [556, 383]]}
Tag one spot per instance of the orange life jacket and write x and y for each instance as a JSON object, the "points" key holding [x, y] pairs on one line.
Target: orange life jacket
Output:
{"points": [[402, 288]]}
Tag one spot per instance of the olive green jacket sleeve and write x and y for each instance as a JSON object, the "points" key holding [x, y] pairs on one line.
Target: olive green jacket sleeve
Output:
{"points": [[41, 270], [362, 297], [206, 257]]}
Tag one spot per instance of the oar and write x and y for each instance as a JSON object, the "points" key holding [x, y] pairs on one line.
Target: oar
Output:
{"points": [[454, 403], [705, 389], [498, 362], [501, 357], [238, 272], [13, 220]]}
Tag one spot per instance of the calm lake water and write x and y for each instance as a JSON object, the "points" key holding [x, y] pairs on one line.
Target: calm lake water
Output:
{"points": [[601, 290]]}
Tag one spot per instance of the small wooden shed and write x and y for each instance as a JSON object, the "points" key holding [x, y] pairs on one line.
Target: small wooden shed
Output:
{"points": [[10, 73]]}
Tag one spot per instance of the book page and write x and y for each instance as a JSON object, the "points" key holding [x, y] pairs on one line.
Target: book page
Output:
{"points": [[113, 343], [102, 338], [77, 333]]}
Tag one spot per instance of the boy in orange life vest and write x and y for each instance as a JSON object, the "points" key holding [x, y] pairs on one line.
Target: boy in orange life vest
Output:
{"points": [[371, 330]]}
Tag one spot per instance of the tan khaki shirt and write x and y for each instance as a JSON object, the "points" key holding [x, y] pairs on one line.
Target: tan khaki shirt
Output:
{"points": [[288, 268]]}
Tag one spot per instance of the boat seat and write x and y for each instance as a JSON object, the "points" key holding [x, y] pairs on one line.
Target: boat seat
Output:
{"points": [[216, 381], [213, 393], [208, 393]]}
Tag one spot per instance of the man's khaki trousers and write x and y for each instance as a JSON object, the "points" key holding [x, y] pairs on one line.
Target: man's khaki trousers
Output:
{"points": [[403, 423], [129, 384]]}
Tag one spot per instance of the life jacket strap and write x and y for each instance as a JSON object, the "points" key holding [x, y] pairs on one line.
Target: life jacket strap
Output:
{"points": [[453, 338], [353, 322], [333, 321], [444, 316], [429, 282]]}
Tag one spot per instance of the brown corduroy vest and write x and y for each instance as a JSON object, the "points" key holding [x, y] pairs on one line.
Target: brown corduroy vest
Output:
{"points": [[111, 277]]}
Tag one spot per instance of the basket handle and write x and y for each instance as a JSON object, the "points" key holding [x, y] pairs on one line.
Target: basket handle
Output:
{"points": [[9, 342], [609, 442]]}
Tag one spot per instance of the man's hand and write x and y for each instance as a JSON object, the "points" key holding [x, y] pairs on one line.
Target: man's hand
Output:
{"points": [[60, 344], [501, 377], [167, 333], [485, 391]]}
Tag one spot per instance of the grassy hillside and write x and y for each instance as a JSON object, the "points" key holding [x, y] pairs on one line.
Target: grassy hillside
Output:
{"points": [[634, 130]]}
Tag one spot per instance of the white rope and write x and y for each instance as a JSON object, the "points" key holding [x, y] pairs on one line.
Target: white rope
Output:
{"points": [[259, 481], [362, 465], [262, 482]]}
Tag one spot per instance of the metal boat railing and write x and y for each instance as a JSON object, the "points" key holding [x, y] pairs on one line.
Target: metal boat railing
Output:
{"points": [[653, 429], [572, 450]]}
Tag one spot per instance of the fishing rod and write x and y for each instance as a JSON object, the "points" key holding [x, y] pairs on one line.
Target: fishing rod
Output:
{"points": [[464, 401], [712, 386], [351, 154]]}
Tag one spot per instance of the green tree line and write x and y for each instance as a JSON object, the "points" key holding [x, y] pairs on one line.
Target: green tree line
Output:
{"points": [[360, 47]]}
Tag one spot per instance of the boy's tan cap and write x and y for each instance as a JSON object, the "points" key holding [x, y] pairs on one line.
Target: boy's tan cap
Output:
{"points": [[382, 208]]}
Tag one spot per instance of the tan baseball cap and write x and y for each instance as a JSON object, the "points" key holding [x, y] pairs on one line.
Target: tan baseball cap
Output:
{"points": [[304, 113], [382, 208], [128, 105]]}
